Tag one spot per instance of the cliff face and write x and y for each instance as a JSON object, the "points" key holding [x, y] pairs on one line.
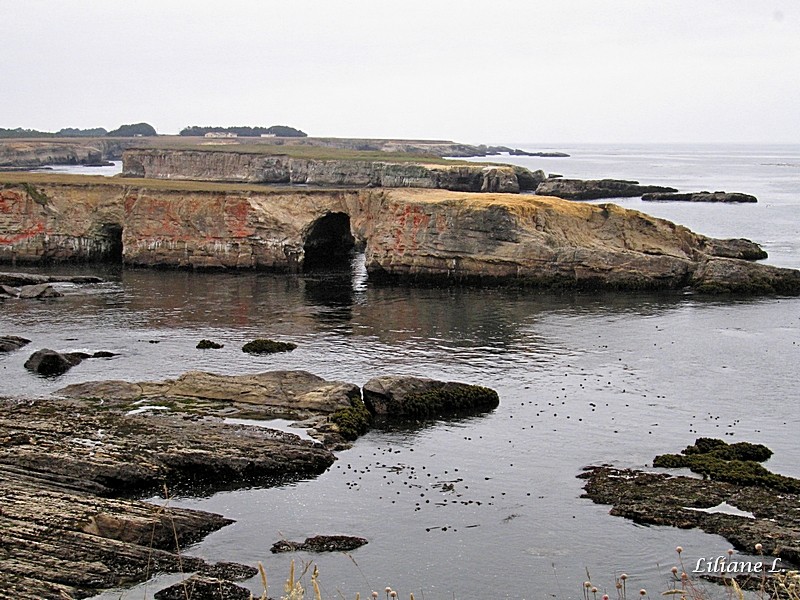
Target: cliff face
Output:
{"points": [[30, 154], [244, 167], [420, 234]]}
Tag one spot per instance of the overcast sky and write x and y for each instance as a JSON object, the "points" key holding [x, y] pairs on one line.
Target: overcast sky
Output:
{"points": [[470, 70]]}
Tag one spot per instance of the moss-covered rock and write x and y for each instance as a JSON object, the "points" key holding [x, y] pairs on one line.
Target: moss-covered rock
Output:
{"points": [[209, 345], [264, 346], [353, 421], [420, 398], [734, 463]]}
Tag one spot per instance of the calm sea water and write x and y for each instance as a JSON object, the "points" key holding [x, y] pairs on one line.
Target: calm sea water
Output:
{"points": [[583, 379]]}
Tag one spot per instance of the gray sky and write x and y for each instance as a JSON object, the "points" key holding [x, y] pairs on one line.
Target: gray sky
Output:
{"points": [[469, 70]]}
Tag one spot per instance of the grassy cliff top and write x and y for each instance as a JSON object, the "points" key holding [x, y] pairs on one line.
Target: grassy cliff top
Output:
{"points": [[309, 152]]}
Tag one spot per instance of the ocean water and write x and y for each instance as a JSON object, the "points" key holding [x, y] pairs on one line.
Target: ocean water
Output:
{"points": [[584, 379]]}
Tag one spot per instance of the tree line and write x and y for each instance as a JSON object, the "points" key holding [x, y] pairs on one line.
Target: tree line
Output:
{"points": [[145, 129]]}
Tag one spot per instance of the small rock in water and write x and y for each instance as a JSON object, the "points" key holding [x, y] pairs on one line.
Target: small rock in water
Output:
{"points": [[209, 345]]}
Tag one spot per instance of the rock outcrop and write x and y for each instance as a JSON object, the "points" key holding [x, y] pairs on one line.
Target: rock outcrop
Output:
{"points": [[700, 197], [594, 189], [29, 154], [67, 523], [251, 167], [434, 235]]}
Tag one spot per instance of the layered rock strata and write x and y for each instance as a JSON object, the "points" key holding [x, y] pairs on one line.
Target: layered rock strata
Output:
{"points": [[250, 167], [68, 526], [434, 235], [30, 154]]}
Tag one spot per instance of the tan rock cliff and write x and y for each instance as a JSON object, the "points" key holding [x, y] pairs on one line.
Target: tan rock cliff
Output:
{"points": [[436, 235]]}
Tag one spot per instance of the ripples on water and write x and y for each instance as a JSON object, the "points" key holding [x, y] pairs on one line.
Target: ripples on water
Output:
{"points": [[583, 379]]}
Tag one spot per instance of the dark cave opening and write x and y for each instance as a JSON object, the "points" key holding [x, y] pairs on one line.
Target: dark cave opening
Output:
{"points": [[113, 235], [329, 243]]}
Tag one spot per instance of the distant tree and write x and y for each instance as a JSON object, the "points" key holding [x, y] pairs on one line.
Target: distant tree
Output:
{"points": [[136, 129], [75, 132], [19, 132], [285, 131]]}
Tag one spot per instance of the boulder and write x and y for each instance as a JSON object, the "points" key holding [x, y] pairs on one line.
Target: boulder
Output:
{"points": [[593, 189], [200, 587], [9, 343], [404, 396], [9, 291], [41, 290], [699, 197], [50, 363], [320, 543], [209, 345]]}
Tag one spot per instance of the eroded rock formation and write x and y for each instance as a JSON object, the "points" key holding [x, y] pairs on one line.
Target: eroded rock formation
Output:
{"points": [[434, 235]]}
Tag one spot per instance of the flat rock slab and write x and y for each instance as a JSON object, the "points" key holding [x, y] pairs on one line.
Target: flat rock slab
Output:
{"points": [[273, 394], [771, 518]]}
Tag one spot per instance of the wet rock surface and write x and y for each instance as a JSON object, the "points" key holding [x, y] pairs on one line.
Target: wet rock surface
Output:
{"points": [[320, 543], [743, 509], [69, 467]]}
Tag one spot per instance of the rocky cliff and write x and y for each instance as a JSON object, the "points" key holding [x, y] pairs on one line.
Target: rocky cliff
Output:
{"points": [[29, 154], [432, 235], [256, 167]]}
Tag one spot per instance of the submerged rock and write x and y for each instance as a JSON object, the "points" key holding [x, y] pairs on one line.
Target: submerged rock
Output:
{"points": [[420, 398], [9, 343], [320, 543]]}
